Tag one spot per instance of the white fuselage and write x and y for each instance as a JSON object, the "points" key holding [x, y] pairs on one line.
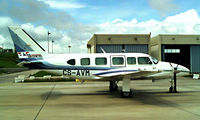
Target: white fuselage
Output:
{"points": [[105, 65]]}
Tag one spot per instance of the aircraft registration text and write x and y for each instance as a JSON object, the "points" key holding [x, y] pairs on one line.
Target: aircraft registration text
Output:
{"points": [[76, 72]]}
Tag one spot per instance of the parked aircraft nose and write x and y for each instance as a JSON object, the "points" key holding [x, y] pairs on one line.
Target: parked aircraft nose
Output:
{"points": [[182, 69]]}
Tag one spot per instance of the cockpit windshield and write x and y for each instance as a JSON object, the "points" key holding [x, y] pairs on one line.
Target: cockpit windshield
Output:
{"points": [[155, 61]]}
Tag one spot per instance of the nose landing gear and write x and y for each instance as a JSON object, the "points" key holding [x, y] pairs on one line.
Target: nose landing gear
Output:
{"points": [[173, 82]]}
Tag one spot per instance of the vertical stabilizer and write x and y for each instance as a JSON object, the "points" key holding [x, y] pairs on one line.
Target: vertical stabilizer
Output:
{"points": [[25, 45]]}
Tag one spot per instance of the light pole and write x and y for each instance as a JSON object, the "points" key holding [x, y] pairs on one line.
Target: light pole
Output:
{"points": [[48, 40], [52, 46], [69, 46]]}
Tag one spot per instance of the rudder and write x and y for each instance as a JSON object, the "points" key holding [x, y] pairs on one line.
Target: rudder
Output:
{"points": [[24, 44]]}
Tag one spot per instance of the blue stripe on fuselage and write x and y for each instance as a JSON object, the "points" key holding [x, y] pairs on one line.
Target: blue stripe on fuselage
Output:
{"points": [[117, 71]]}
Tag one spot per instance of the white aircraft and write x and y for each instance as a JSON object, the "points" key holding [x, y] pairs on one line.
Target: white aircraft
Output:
{"points": [[111, 67]]}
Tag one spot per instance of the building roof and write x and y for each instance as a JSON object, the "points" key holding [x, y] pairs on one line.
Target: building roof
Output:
{"points": [[176, 39], [178, 35], [121, 34], [119, 39]]}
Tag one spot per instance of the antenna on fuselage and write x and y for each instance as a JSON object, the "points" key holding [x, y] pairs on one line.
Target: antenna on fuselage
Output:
{"points": [[103, 50], [123, 51]]}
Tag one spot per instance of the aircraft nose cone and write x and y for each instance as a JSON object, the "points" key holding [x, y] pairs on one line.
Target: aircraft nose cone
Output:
{"points": [[183, 69]]}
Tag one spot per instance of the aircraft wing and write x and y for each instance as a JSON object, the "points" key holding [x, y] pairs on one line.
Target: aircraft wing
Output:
{"points": [[133, 73]]}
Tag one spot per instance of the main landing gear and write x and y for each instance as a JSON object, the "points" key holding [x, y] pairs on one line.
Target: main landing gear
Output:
{"points": [[113, 86], [126, 91]]}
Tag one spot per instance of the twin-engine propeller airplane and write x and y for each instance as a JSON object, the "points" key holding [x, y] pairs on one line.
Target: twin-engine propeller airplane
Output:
{"points": [[112, 67]]}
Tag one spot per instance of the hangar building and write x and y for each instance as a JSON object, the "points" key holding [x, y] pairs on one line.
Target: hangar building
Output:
{"points": [[117, 43], [180, 49]]}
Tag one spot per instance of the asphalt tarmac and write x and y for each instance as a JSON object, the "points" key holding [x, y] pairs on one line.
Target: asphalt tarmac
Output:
{"points": [[93, 101]]}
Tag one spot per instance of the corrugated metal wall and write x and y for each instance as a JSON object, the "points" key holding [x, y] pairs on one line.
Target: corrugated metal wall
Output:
{"points": [[136, 48], [195, 58], [119, 48]]}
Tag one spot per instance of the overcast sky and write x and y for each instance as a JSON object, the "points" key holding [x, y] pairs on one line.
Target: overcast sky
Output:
{"points": [[75, 21]]}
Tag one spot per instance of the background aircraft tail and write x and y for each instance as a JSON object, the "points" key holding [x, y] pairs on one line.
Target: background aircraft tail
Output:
{"points": [[27, 48]]}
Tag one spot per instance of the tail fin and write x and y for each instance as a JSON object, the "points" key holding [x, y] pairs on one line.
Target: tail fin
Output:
{"points": [[25, 45]]}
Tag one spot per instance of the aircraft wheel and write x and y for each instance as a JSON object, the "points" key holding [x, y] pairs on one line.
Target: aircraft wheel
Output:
{"points": [[113, 86], [171, 89], [126, 94]]}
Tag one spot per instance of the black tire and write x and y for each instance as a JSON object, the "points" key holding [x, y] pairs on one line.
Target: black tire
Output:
{"points": [[126, 94], [171, 89], [113, 86]]}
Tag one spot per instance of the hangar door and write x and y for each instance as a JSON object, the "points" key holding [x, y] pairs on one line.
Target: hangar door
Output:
{"points": [[195, 58], [179, 54], [130, 48], [136, 48], [109, 48]]}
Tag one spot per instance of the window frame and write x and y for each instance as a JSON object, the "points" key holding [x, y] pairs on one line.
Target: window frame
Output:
{"points": [[84, 58], [101, 58], [71, 60], [120, 65], [131, 57], [145, 63]]}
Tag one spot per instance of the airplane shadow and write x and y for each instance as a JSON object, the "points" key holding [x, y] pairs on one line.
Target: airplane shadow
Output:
{"points": [[157, 98], [152, 97], [56, 94]]}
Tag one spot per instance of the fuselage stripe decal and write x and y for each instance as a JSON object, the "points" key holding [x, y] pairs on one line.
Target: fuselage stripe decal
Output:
{"points": [[109, 72]]}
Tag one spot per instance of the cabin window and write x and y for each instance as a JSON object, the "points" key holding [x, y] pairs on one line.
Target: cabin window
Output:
{"points": [[117, 60], [131, 60], [85, 61], [155, 61], [71, 62], [100, 61], [144, 60]]}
